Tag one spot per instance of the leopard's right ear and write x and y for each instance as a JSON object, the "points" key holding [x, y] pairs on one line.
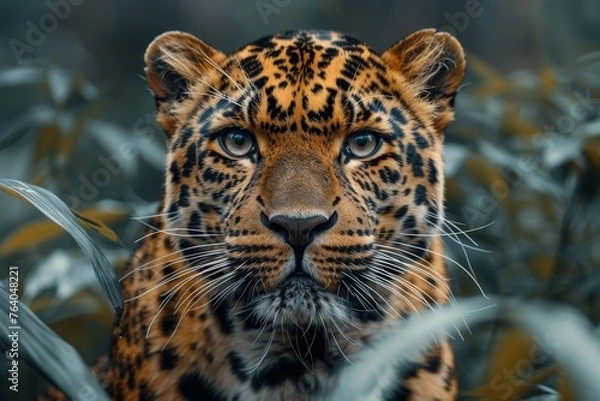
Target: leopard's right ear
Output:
{"points": [[174, 62]]}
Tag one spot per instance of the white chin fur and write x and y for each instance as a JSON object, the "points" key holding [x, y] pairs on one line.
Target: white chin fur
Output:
{"points": [[300, 303]]}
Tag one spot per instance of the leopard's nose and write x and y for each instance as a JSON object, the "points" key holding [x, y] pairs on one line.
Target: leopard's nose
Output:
{"points": [[299, 231]]}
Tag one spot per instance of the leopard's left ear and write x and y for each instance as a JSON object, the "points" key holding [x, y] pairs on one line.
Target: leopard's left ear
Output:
{"points": [[435, 63], [175, 61]]}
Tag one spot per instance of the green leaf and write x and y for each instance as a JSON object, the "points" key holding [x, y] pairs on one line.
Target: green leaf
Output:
{"points": [[372, 367], [56, 210], [113, 138], [454, 158], [588, 66], [60, 84], [76, 130], [84, 88], [21, 75], [535, 178], [560, 332], [27, 120], [47, 353], [561, 150], [567, 335], [588, 130], [45, 145], [66, 273]]}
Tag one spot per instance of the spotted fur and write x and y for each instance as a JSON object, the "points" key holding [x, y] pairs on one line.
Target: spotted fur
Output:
{"points": [[265, 271]]}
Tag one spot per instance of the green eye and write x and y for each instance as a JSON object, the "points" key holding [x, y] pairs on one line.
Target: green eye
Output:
{"points": [[237, 143], [362, 144]]}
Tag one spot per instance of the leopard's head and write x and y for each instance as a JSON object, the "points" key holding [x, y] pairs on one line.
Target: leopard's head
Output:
{"points": [[304, 176]]}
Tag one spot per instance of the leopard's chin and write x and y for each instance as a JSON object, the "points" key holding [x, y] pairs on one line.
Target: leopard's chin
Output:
{"points": [[299, 301]]}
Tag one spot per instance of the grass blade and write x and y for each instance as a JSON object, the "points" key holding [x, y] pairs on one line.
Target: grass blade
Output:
{"points": [[562, 332], [376, 366], [47, 353], [569, 336], [56, 210]]}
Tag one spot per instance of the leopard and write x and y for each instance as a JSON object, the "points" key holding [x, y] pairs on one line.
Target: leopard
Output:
{"points": [[301, 218]]}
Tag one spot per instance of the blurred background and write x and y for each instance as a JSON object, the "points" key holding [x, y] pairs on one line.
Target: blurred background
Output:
{"points": [[522, 157]]}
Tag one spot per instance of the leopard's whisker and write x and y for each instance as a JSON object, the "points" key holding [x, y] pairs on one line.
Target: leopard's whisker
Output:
{"points": [[471, 276], [184, 272], [382, 271], [253, 368], [369, 290], [147, 216], [183, 314], [174, 261], [438, 278], [167, 297], [333, 319], [451, 226], [373, 279], [423, 272], [206, 287], [335, 340], [223, 294]]}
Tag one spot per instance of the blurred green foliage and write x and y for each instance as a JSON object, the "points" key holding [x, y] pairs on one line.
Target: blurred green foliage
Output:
{"points": [[524, 164]]}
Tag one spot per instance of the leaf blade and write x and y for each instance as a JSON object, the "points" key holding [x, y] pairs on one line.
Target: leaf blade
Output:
{"points": [[48, 354], [56, 210]]}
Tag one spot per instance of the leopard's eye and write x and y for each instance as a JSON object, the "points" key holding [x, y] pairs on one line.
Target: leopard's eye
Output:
{"points": [[237, 143], [362, 144]]}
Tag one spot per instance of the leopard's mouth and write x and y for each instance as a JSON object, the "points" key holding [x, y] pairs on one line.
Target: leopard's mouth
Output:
{"points": [[300, 301]]}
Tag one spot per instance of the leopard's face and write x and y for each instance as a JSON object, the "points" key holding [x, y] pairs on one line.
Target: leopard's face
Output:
{"points": [[304, 174]]}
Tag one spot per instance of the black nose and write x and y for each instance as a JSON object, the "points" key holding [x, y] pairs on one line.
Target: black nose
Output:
{"points": [[299, 232]]}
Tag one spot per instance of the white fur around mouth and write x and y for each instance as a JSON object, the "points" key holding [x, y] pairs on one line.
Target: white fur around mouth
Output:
{"points": [[299, 301]]}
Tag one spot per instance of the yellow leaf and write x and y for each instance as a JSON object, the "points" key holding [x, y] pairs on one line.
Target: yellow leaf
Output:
{"points": [[67, 145], [592, 152], [13, 193], [43, 230], [453, 190], [494, 82], [514, 124], [484, 70], [548, 80], [96, 218], [491, 89], [512, 388], [481, 170], [46, 142], [40, 177], [30, 235], [564, 388], [542, 265], [511, 373]]}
